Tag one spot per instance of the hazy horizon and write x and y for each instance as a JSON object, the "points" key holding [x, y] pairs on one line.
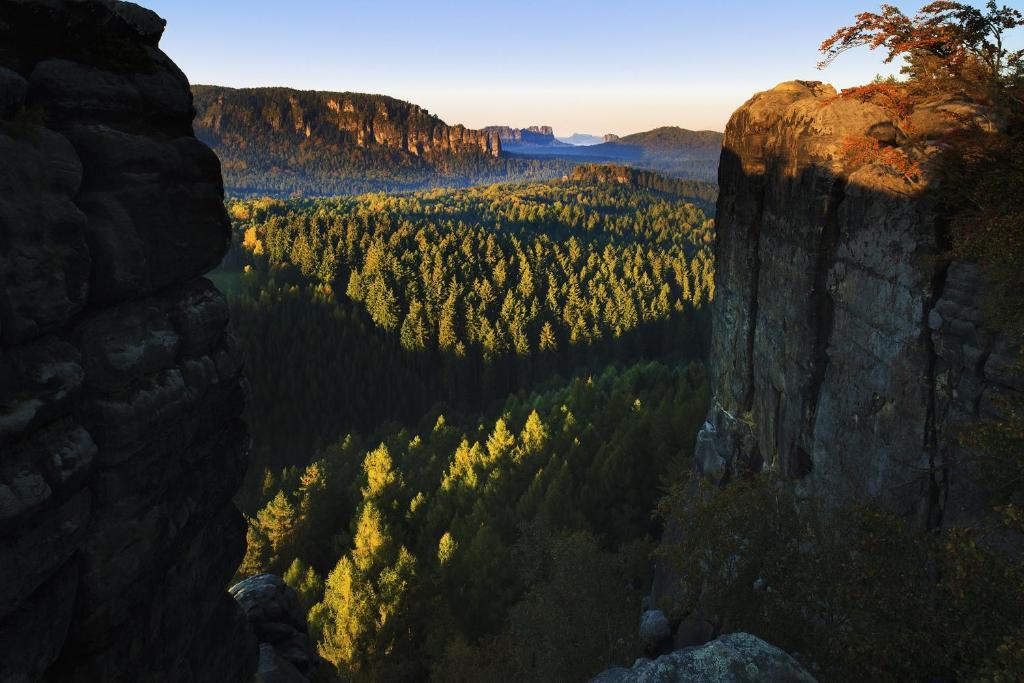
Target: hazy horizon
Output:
{"points": [[580, 67]]}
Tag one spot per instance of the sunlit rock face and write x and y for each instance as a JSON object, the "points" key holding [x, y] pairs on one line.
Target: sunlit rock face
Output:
{"points": [[225, 115], [534, 135], [121, 441], [845, 349]]}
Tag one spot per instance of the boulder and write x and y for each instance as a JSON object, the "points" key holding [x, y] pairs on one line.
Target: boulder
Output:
{"points": [[732, 658], [279, 623], [654, 632]]}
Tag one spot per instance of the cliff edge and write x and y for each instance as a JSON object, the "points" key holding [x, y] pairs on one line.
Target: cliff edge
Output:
{"points": [[846, 348], [121, 441]]}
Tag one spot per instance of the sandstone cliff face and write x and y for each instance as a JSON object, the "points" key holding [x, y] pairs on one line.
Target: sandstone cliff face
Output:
{"points": [[226, 115], [121, 442], [844, 352], [534, 135]]}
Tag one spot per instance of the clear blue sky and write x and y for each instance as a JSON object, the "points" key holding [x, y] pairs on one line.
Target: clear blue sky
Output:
{"points": [[591, 66]]}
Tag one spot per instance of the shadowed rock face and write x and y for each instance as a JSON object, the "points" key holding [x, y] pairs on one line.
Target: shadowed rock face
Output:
{"points": [[844, 352], [279, 622], [121, 442]]}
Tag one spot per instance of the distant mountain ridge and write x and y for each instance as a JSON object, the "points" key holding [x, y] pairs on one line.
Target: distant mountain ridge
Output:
{"points": [[280, 141], [699, 143], [669, 149], [583, 139]]}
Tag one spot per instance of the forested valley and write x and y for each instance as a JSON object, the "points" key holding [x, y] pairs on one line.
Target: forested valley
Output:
{"points": [[282, 142], [466, 403]]}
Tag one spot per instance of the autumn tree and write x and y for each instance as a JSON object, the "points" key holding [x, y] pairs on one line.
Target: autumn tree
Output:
{"points": [[948, 48]]}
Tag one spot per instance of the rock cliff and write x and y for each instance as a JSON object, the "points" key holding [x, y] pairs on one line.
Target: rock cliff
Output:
{"points": [[518, 137], [278, 141], [121, 442], [845, 349], [344, 119]]}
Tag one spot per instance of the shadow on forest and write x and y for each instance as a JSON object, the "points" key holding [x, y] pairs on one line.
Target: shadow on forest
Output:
{"points": [[321, 368]]}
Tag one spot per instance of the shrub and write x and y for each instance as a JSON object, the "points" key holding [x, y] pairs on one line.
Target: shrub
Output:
{"points": [[852, 590]]}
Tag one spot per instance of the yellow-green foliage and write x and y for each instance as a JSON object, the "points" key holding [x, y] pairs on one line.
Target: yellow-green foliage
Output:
{"points": [[853, 590], [506, 545], [354, 311], [511, 269]]}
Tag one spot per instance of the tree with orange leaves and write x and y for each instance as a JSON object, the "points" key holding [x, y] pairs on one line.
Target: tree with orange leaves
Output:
{"points": [[948, 48], [947, 45]]}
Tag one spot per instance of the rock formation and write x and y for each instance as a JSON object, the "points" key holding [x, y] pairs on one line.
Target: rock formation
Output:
{"points": [[534, 135], [733, 658], [342, 119], [610, 137], [121, 442], [844, 351], [278, 141], [279, 622]]}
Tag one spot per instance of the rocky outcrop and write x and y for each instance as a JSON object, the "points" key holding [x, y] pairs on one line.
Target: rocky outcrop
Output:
{"points": [[230, 115], [121, 442], [610, 137], [279, 622], [517, 137], [279, 141], [732, 658], [845, 350], [654, 632]]}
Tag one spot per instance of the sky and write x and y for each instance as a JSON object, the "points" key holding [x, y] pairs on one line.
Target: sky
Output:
{"points": [[590, 66]]}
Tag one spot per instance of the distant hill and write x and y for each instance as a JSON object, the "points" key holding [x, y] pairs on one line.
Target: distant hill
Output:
{"points": [[280, 141], [582, 139], [699, 143], [670, 149], [701, 193]]}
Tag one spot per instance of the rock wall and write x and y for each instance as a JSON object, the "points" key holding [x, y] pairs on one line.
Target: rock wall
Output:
{"points": [[230, 115], [845, 350], [534, 135], [121, 442]]}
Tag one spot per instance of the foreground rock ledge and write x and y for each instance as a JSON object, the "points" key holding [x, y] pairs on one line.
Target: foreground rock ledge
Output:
{"points": [[732, 658], [121, 442]]}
